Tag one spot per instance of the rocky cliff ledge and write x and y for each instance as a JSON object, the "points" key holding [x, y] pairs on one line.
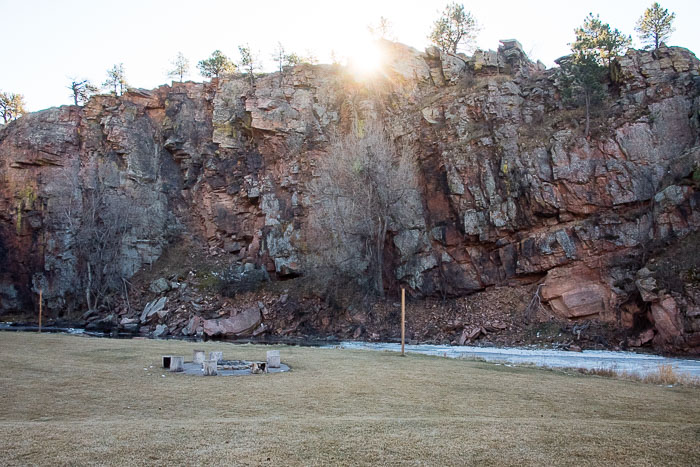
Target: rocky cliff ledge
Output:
{"points": [[513, 193]]}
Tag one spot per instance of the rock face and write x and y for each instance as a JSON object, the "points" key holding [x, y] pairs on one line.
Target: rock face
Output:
{"points": [[511, 189]]}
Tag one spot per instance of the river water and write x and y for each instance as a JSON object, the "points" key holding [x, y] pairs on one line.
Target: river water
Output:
{"points": [[629, 362]]}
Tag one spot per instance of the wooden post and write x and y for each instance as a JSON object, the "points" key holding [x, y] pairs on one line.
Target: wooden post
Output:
{"points": [[403, 320], [40, 302]]}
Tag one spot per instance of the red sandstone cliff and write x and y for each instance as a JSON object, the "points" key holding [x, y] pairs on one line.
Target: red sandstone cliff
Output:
{"points": [[512, 192]]}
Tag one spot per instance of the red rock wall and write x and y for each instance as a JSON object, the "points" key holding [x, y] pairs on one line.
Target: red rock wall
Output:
{"points": [[512, 190]]}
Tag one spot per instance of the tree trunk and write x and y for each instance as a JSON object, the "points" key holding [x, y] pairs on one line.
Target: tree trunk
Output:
{"points": [[379, 278], [588, 113], [88, 291]]}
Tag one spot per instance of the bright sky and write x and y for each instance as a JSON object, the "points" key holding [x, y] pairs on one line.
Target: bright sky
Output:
{"points": [[46, 42]]}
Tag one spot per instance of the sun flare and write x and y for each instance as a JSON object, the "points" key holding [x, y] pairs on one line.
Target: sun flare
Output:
{"points": [[365, 59]]}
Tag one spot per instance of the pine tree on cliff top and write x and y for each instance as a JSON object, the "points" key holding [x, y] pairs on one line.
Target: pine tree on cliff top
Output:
{"points": [[216, 65], [116, 80], [597, 38], [655, 26], [456, 27]]}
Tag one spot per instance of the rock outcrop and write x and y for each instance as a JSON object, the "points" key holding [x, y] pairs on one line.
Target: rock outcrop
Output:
{"points": [[512, 190]]}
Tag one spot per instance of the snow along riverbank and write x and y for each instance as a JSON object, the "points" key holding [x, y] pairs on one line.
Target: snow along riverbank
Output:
{"points": [[641, 364]]}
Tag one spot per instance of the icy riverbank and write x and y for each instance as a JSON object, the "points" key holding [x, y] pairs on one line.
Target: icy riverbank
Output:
{"points": [[641, 364]]}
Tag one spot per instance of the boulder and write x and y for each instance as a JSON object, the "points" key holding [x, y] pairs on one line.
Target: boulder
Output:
{"points": [[129, 324], [153, 308], [259, 330], [646, 285], [159, 286], [453, 67], [469, 334], [667, 319], [240, 324], [192, 325], [574, 292], [104, 324], [643, 338], [160, 331], [132, 328]]}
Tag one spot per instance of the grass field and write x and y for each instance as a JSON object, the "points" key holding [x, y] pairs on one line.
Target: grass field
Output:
{"points": [[77, 400]]}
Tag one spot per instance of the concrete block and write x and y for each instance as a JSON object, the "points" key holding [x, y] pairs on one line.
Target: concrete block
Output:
{"points": [[199, 356], [273, 358]]}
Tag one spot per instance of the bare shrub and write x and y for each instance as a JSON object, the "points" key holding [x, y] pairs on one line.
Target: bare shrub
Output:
{"points": [[104, 224], [606, 372], [535, 306], [665, 375], [99, 219], [365, 188]]}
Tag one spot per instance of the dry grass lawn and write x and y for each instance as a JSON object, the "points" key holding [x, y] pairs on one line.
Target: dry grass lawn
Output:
{"points": [[77, 400]]}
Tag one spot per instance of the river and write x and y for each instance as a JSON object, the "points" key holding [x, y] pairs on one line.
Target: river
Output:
{"points": [[630, 362]]}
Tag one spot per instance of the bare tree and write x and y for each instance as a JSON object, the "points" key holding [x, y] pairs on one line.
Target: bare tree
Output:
{"points": [[11, 106], [180, 67], [381, 30], [279, 56], [99, 221], [81, 90], [248, 62], [365, 188]]}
